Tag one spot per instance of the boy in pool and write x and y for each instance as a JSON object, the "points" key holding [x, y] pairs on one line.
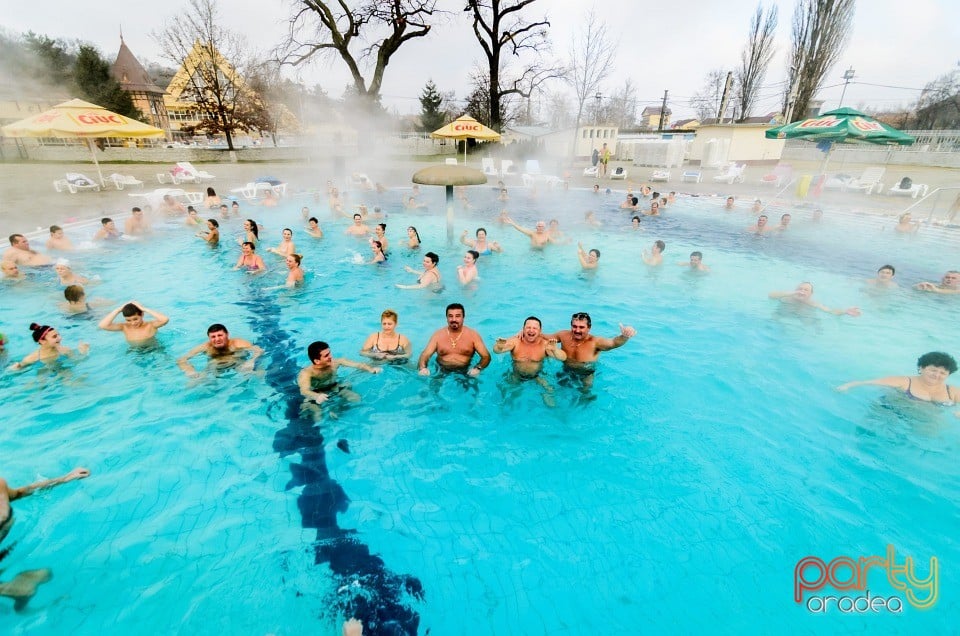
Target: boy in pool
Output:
{"points": [[135, 329], [318, 381], [24, 585]]}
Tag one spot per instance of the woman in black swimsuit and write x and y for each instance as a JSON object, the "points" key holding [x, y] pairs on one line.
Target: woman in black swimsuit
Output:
{"points": [[387, 344], [929, 385]]}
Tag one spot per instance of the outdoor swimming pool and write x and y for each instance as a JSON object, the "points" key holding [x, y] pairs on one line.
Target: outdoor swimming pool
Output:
{"points": [[715, 455]]}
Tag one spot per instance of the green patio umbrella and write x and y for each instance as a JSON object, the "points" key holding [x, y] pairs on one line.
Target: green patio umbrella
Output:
{"points": [[844, 125]]}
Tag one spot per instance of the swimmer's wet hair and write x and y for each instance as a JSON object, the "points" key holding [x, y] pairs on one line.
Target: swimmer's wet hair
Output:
{"points": [[475, 254], [389, 313], [297, 257], [55, 228], [314, 219], [39, 331], [105, 220], [937, 359], [455, 306], [533, 318], [661, 245], [131, 310], [433, 257], [73, 293], [215, 327], [890, 267], [213, 222], [315, 349]]}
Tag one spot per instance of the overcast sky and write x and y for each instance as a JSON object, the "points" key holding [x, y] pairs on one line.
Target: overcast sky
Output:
{"points": [[662, 45]]}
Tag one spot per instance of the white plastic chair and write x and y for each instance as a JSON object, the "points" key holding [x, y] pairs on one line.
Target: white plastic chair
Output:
{"points": [[694, 176], [618, 173], [120, 181], [451, 161], [733, 174]]}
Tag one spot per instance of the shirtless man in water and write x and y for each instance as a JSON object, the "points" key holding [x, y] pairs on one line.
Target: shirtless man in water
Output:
{"points": [[135, 329], [20, 253], [222, 349], [538, 236], [583, 349], [24, 585], [455, 346], [529, 349], [319, 380]]}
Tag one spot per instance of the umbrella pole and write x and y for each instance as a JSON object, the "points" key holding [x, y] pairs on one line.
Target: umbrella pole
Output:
{"points": [[450, 214], [826, 160], [93, 153]]}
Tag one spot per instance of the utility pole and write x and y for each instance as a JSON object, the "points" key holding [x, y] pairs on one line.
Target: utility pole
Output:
{"points": [[726, 97], [848, 75], [663, 112]]}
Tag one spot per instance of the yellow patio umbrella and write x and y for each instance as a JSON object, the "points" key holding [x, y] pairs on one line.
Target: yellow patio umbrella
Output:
{"points": [[464, 128], [77, 119]]}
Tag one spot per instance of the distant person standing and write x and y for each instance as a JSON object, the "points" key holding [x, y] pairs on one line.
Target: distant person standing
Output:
{"points": [[594, 160], [604, 160]]}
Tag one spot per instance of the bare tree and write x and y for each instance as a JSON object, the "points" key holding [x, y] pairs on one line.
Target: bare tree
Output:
{"points": [[502, 31], [706, 101], [939, 103], [376, 29], [213, 62], [621, 108], [820, 32], [755, 58], [591, 62]]}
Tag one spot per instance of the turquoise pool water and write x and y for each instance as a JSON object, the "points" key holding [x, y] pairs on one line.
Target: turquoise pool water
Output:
{"points": [[715, 455]]}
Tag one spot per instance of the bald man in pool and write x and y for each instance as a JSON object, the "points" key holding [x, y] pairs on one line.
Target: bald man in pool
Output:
{"points": [[24, 585]]}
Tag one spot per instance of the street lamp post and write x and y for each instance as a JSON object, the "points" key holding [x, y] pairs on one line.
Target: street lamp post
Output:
{"points": [[848, 75]]}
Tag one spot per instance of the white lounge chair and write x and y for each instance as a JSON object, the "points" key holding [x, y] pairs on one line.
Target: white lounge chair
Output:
{"points": [[694, 176], [506, 168], [733, 174], [192, 173], [619, 173], [489, 167], [660, 175], [915, 190], [120, 181], [255, 189], [780, 174], [868, 182], [451, 161], [75, 182], [533, 168], [591, 171]]}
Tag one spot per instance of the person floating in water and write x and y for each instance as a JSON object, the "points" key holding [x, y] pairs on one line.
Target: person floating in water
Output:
{"points": [[249, 260], [884, 277], [481, 244], [20, 253], [135, 329], [455, 345], [387, 344], [528, 349], [929, 385], [429, 277], [582, 349], [588, 260], [24, 585], [318, 381], [108, 230], [654, 257], [50, 349], [538, 236], [58, 241], [949, 284], [222, 350], [803, 295], [695, 263]]}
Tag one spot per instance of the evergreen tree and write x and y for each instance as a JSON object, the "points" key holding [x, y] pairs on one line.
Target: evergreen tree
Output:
{"points": [[91, 74], [431, 115]]}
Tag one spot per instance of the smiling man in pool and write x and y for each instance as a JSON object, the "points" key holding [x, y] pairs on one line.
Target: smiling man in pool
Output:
{"points": [[222, 351], [583, 349]]}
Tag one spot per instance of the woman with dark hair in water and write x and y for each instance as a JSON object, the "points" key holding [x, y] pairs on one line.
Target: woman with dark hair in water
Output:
{"points": [[50, 347], [212, 201], [413, 238], [929, 385]]}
